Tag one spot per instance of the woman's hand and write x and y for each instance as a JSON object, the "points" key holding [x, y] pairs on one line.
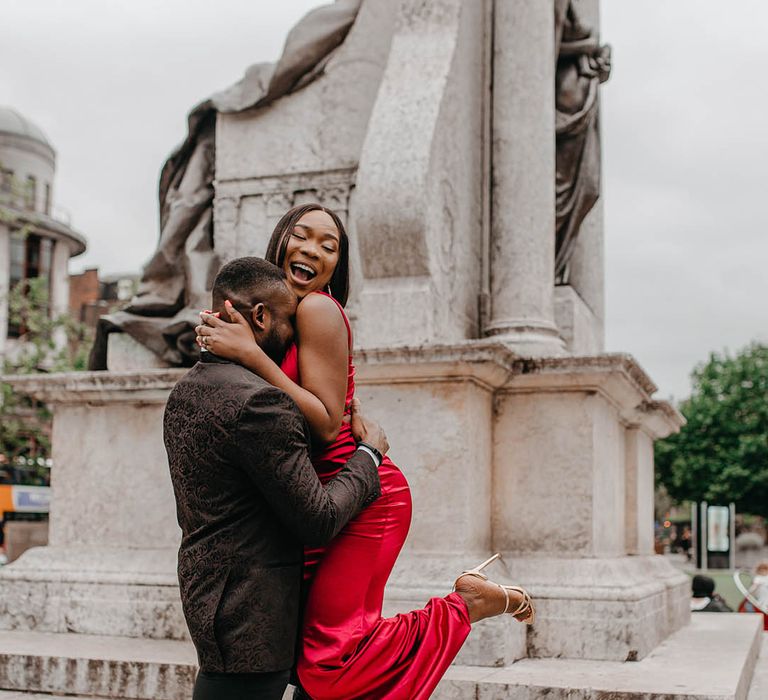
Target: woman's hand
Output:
{"points": [[231, 340]]}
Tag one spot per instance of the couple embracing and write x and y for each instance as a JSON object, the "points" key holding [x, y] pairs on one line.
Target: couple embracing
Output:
{"points": [[292, 515]]}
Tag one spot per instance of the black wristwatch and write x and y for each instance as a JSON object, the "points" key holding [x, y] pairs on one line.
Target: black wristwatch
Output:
{"points": [[371, 450]]}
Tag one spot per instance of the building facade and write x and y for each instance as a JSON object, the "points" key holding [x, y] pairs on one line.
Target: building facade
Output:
{"points": [[92, 295], [35, 240]]}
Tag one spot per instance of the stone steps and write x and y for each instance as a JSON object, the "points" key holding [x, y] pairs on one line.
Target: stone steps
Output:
{"points": [[120, 668], [713, 658], [18, 695]]}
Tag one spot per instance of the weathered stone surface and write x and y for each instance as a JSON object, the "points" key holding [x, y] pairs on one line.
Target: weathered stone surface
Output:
{"points": [[104, 666], [321, 127], [110, 483], [579, 327], [92, 590], [520, 436], [305, 148], [418, 201], [125, 354], [711, 659], [539, 451], [110, 567]]}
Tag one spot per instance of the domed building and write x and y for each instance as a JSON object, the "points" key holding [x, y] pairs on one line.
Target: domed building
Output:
{"points": [[35, 240]]}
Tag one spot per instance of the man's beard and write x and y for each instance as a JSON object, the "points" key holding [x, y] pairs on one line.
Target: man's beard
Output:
{"points": [[274, 346]]}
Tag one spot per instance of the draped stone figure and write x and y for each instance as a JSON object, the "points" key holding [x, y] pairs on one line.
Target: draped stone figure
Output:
{"points": [[582, 64], [176, 282]]}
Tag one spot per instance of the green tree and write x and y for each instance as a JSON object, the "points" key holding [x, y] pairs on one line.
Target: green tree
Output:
{"points": [[721, 455]]}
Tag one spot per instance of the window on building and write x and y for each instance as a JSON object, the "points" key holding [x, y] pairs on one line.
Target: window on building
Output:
{"points": [[30, 192], [6, 180], [31, 257], [47, 209]]}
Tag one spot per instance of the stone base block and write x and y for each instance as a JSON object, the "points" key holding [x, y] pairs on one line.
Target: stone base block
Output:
{"points": [[616, 609], [130, 593], [628, 605], [102, 666], [713, 658]]}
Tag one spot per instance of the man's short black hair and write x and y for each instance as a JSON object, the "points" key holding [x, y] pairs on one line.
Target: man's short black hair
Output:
{"points": [[246, 282], [702, 586]]}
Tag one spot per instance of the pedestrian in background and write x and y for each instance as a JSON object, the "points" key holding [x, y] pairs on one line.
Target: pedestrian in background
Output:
{"points": [[704, 598]]}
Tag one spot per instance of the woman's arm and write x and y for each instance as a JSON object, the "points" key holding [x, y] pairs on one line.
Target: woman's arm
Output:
{"points": [[323, 360]]}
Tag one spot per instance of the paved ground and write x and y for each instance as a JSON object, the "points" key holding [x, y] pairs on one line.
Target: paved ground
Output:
{"points": [[759, 688]]}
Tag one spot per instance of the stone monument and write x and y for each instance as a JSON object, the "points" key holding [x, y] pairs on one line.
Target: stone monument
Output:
{"points": [[459, 140]]}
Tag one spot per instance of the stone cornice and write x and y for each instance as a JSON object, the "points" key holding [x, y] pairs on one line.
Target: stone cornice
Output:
{"points": [[146, 386], [610, 362], [47, 225], [281, 184], [616, 377], [489, 364]]}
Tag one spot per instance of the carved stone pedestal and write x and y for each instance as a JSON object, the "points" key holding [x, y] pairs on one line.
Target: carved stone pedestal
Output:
{"points": [[110, 564], [548, 461]]}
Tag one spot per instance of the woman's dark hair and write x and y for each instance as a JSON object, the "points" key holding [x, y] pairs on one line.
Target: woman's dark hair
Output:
{"points": [[278, 243]]}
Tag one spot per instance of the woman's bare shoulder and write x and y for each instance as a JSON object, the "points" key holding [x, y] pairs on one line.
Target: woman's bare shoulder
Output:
{"points": [[318, 312]]}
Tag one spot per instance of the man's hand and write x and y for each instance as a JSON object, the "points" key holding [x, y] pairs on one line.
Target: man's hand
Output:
{"points": [[365, 430]]}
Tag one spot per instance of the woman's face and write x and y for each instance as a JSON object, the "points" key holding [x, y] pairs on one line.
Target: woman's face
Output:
{"points": [[312, 253]]}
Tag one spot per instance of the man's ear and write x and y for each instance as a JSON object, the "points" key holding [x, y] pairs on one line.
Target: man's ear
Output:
{"points": [[257, 316]]}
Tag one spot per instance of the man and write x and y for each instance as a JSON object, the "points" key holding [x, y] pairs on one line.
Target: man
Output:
{"points": [[704, 598], [248, 497]]}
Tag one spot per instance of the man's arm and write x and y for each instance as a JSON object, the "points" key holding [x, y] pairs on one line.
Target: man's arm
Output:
{"points": [[273, 445]]}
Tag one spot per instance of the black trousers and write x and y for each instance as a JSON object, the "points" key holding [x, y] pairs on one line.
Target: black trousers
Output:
{"points": [[240, 686]]}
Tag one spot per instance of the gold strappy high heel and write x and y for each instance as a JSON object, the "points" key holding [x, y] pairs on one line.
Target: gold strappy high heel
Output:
{"points": [[526, 606]]}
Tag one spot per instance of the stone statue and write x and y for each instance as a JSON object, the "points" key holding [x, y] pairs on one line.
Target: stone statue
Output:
{"points": [[582, 64], [176, 281], [374, 122]]}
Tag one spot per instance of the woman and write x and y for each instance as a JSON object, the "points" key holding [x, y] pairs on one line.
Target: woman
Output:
{"points": [[348, 650]]}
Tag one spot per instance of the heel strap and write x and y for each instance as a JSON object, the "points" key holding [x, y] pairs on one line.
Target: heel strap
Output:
{"points": [[506, 595], [526, 604]]}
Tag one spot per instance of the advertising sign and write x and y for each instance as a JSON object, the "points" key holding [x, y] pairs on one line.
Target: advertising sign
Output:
{"points": [[718, 529]]}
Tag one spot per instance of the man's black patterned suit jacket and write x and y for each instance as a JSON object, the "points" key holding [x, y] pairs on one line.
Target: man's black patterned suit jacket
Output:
{"points": [[247, 499]]}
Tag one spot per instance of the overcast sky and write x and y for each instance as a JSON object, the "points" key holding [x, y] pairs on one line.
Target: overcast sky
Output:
{"points": [[685, 144]]}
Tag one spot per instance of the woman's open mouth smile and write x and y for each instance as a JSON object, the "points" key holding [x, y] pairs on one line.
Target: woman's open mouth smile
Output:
{"points": [[302, 273]]}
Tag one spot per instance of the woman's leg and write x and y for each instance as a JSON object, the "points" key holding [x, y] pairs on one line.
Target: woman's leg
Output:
{"points": [[348, 651]]}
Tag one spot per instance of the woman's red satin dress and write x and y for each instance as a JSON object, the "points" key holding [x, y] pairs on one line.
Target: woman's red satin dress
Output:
{"points": [[348, 651]]}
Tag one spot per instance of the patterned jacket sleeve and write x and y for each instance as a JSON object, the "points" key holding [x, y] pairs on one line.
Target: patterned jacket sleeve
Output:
{"points": [[273, 448]]}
